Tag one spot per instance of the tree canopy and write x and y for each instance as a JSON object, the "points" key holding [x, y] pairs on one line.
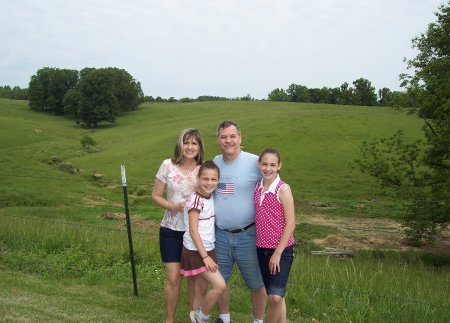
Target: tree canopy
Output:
{"points": [[278, 95], [48, 87], [102, 94], [362, 93], [91, 95], [421, 170], [15, 93]]}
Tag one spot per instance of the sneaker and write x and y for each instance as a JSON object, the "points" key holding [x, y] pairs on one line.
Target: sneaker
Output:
{"points": [[219, 320], [198, 318], [192, 316]]}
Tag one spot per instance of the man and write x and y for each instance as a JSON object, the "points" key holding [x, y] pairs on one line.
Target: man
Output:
{"points": [[235, 219]]}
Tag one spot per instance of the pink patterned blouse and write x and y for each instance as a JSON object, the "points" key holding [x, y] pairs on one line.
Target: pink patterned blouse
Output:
{"points": [[178, 188], [269, 217]]}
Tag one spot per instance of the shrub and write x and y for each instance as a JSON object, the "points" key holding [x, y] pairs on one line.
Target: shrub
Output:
{"points": [[89, 144], [87, 141], [68, 167]]}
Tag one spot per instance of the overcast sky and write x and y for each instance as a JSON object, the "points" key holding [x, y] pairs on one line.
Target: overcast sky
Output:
{"points": [[225, 48]]}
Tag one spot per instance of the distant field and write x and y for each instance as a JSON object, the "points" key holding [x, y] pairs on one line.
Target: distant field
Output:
{"points": [[318, 144]]}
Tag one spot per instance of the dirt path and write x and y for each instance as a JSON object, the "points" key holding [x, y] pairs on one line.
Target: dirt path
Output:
{"points": [[369, 233]]}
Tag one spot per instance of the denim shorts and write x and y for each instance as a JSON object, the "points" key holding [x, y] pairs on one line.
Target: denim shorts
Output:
{"points": [[170, 244], [239, 248], [275, 284]]}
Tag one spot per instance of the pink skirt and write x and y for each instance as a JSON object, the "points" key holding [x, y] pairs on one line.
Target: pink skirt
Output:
{"points": [[192, 263]]}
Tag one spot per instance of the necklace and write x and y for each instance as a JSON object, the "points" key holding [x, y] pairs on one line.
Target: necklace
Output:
{"points": [[186, 171]]}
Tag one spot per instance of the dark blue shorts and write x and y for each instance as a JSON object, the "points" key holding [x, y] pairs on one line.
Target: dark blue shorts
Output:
{"points": [[275, 284], [170, 244]]}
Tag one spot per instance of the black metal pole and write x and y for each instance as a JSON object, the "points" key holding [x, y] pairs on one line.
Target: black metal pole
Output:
{"points": [[130, 239]]}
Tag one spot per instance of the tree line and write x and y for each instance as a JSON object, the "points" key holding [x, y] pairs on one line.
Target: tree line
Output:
{"points": [[15, 93], [201, 98], [361, 93], [91, 95]]}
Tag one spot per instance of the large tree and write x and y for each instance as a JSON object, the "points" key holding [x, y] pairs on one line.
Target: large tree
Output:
{"points": [[298, 93], [317, 95], [48, 87], [102, 94], [278, 95], [421, 171], [364, 93], [385, 97], [346, 94]]}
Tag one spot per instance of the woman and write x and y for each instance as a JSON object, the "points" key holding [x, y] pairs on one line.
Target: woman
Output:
{"points": [[175, 180]]}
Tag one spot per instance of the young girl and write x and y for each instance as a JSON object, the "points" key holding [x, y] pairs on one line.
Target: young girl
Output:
{"points": [[275, 225], [198, 257]]}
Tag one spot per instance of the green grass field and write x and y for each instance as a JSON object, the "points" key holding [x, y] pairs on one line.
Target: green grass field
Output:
{"points": [[61, 261], [318, 144]]}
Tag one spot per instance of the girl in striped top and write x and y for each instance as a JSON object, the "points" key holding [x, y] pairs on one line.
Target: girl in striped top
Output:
{"points": [[198, 258]]}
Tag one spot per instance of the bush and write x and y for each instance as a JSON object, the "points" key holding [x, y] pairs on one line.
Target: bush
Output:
{"points": [[68, 168], [54, 160], [87, 141], [89, 144]]}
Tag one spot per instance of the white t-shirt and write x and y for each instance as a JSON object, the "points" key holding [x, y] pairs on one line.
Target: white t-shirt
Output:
{"points": [[205, 206]]}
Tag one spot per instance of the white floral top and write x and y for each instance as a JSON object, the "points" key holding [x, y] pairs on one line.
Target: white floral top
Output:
{"points": [[178, 188]]}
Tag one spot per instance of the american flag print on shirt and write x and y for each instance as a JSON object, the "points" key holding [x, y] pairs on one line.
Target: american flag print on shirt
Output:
{"points": [[225, 188]]}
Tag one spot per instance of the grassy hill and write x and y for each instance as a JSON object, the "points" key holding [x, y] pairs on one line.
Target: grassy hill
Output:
{"points": [[63, 246], [318, 144]]}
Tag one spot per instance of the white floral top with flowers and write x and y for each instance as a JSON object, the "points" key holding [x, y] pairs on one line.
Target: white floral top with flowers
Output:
{"points": [[179, 186]]}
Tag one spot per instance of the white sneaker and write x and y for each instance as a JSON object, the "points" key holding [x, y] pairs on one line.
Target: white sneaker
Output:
{"points": [[198, 318], [192, 316]]}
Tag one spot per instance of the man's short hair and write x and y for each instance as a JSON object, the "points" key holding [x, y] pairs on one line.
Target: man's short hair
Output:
{"points": [[226, 124]]}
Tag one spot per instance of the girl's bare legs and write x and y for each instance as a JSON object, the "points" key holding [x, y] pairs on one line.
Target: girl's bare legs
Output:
{"points": [[218, 286], [224, 301], [190, 284], [197, 288], [172, 289], [276, 312]]}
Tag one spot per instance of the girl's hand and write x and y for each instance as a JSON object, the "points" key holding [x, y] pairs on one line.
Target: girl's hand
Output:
{"points": [[274, 263], [212, 266], [176, 207], [179, 207]]}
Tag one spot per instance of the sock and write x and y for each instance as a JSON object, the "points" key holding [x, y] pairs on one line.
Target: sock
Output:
{"points": [[225, 317], [257, 321]]}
